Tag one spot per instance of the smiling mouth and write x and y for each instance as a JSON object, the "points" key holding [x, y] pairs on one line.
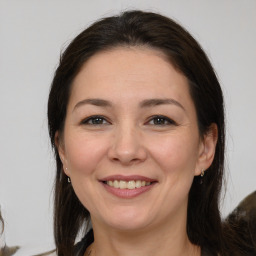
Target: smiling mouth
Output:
{"points": [[131, 184], [128, 187]]}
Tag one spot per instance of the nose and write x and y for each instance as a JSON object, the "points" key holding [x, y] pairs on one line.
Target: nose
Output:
{"points": [[127, 146]]}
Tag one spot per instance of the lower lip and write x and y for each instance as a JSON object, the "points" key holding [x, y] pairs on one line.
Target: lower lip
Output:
{"points": [[128, 193]]}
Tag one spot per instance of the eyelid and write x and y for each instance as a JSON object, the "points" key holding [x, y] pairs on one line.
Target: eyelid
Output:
{"points": [[169, 120], [86, 120]]}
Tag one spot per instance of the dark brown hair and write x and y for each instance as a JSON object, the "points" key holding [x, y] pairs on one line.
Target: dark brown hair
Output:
{"points": [[137, 28]]}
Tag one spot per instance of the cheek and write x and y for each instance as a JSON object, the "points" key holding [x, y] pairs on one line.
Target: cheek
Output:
{"points": [[84, 153], [175, 153], [176, 157]]}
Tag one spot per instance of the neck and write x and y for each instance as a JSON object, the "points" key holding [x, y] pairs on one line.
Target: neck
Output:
{"points": [[163, 240]]}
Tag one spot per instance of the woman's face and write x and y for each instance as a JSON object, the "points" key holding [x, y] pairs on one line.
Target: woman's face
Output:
{"points": [[131, 144]]}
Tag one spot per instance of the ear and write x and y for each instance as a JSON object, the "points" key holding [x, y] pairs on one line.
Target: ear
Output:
{"points": [[59, 143], [207, 149]]}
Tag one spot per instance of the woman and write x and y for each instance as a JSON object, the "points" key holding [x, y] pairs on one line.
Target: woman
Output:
{"points": [[136, 120]]}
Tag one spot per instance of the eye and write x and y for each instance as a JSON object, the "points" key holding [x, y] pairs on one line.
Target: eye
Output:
{"points": [[161, 120], [95, 120]]}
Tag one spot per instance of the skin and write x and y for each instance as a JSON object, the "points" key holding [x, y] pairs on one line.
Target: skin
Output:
{"points": [[130, 140]]}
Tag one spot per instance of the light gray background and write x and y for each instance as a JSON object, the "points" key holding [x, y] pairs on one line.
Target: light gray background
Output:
{"points": [[32, 34]]}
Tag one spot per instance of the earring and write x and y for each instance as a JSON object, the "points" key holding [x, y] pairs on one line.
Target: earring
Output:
{"points": [[69, 181], [202, 175]]}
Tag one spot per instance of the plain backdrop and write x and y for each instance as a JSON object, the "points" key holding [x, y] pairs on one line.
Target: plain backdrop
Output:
{"points": [[32, 35]]}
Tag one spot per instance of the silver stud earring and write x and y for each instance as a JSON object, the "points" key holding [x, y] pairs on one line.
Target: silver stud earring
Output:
{"points": [[69, 181], [202, 175]]}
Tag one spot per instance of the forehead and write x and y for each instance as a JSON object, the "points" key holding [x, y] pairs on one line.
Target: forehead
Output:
{"points": [[129, 73]]}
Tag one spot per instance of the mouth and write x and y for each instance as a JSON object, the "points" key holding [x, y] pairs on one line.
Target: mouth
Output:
{"points": [[128, 186], [131, 184]]}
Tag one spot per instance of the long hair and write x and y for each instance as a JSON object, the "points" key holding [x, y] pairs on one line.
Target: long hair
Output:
{"points": [[137, 28]]}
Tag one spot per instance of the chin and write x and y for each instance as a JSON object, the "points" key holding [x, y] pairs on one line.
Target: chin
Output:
{"points": [[128, 220], [130, 226]]}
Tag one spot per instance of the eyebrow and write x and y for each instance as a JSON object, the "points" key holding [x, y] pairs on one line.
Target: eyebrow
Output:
{"points": [[144, 104], [95, 102], [156, 102]]}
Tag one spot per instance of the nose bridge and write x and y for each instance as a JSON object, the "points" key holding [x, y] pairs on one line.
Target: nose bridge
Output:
{"points": [[127, 144], [126, 137]]}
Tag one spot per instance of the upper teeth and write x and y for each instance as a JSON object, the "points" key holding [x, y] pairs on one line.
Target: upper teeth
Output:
{"points": [[128, 184]]}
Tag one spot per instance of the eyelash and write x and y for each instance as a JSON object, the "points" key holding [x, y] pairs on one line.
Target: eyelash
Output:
{"points": [[89, 120], [166, 120], [101, 120]]}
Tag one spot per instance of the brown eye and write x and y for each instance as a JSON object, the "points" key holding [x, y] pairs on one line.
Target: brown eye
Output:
{"points": [[161, 120], [95, 120]]}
